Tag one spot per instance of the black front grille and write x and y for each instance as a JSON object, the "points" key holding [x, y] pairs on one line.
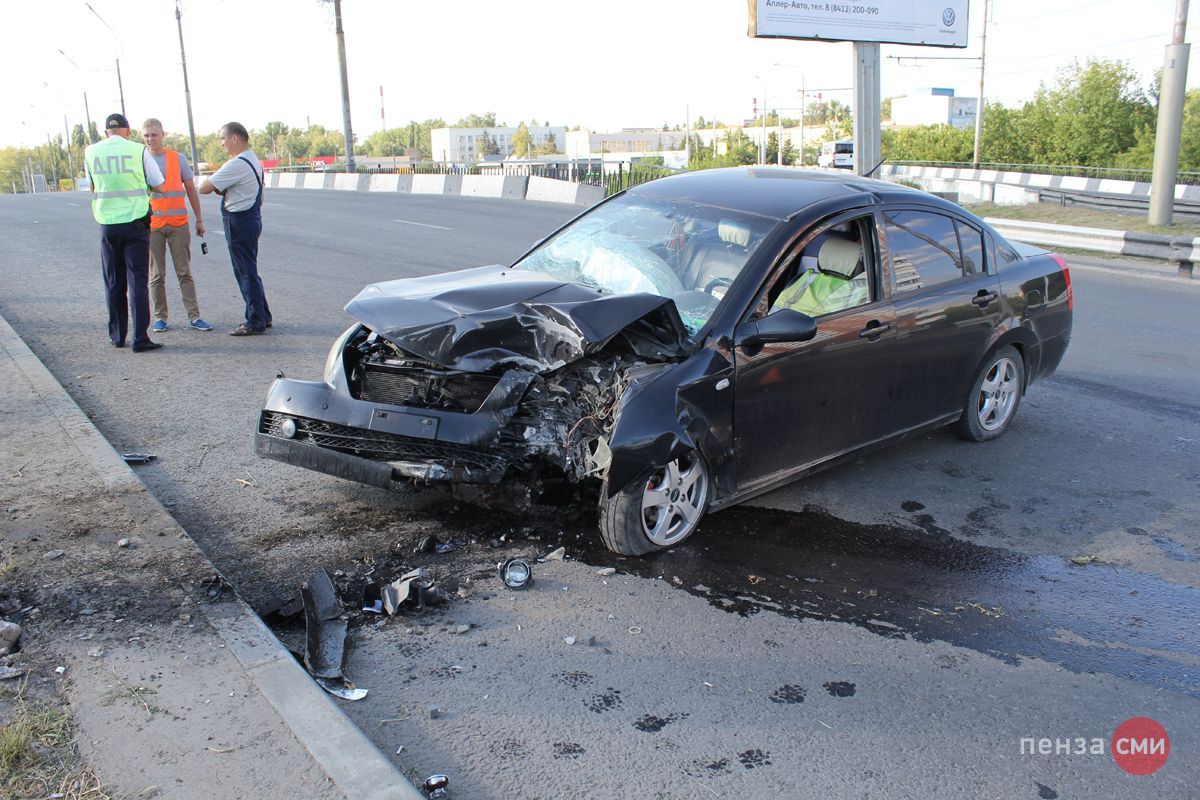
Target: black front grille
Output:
{"points": [[381, 446], [425, 388]]}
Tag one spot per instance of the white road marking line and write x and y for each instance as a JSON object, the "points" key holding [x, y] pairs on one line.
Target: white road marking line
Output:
{"points": [[423, 224], [72, 204]]}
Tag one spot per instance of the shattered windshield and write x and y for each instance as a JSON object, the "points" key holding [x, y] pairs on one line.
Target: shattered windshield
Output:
{"points": [[685, 251]]}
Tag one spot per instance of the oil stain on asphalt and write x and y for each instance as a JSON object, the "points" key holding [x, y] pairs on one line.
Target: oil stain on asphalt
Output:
{"points": [[929, 586]]}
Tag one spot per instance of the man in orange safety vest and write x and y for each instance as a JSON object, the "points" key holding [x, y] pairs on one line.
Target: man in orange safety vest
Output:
{"points": [[169, 229]]}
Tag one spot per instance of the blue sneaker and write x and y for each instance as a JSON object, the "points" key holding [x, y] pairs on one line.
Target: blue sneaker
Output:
{"points": [[201, 325], [159, 325]]}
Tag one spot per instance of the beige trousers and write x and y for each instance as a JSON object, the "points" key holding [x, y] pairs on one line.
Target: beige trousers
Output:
{"points": [[179, 239]]}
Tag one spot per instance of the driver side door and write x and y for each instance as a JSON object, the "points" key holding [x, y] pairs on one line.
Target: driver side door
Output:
{"points": [[797, 404]]}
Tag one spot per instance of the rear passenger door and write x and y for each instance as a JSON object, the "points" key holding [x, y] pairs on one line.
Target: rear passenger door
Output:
{"points": [[947, 302]]}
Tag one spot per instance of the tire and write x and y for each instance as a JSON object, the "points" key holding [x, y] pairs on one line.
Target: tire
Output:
{"points": [[658, 512], [995, 395]]}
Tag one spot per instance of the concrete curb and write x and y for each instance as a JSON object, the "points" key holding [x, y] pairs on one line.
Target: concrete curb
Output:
{"points": [[511, 187], [345, 754]]}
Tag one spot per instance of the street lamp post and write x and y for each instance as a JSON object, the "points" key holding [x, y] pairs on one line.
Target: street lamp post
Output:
{"points": [[117, 41], [187, 92]]}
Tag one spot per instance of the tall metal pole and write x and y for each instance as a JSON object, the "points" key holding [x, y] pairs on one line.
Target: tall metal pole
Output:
{"points": [[866, 107], [1170, 121], [979, 103], [187, 92], [341, 42], [87, 121], [382, 118], [70, 156], [120, 87], [803, 81]]}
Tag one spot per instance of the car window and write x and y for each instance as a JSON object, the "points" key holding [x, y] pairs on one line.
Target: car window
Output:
{"points": [[971, 241], [830, 273], [924, 249], [688, 252]]}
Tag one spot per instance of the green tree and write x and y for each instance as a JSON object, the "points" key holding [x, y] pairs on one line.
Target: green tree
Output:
{"points": [[522, 143], [487, 120], [1092, 114], [485, 145], [548, 147]]}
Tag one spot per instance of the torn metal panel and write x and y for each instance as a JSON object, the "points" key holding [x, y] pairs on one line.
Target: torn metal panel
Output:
{"points": [[325, 632], [660, 418], [491, 318]]}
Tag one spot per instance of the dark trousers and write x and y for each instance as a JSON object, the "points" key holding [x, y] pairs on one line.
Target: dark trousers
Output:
{"points": [[125, 261], [242, 229]]}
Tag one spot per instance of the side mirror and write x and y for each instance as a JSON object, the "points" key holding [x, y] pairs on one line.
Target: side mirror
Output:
{"points": [[784, 325]]}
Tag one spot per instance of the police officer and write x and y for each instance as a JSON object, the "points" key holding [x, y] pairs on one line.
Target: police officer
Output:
{"points": [[121, 174]]}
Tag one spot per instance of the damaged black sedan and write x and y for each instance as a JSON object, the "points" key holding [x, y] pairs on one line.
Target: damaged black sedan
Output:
{"points": [[687, 344]]}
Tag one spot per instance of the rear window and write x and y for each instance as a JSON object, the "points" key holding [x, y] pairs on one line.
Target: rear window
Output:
{"points": [[924, 247], [844, 148]]}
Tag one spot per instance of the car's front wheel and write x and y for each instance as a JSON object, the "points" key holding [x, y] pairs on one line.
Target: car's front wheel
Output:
{"points": [[658, 512], [994, 397]]}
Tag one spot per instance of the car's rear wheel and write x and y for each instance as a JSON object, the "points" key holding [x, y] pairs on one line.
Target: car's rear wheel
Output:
{"points": [[658, 512], [994, 397]]}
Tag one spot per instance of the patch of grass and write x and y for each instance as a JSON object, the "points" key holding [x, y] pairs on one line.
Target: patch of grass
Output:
{"points": [[37, 753], [1071, 215]]}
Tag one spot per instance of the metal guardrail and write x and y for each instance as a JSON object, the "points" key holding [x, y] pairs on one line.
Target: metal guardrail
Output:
{"points": [[1106, 173], [1120, 203], [1180, 251]]}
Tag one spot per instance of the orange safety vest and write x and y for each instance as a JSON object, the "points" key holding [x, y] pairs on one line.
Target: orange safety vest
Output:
{"points": [[169, 207]]}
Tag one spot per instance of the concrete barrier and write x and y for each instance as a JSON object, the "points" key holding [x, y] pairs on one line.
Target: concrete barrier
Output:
{"points": [[350, 181], [437, 184], [510, 186], [271, 180], [385, 182]]}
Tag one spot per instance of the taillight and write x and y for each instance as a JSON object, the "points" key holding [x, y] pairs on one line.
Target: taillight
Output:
{"points": [[1066, 271]]}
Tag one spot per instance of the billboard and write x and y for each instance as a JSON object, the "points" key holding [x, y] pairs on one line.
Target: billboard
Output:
{"points": [[937, 23]]}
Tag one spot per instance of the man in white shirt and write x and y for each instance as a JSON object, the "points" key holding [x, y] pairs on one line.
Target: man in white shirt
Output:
{"points": [[239, 182]]}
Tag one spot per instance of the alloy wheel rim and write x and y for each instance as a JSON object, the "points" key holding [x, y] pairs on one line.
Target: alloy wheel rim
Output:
{"points": [[998, 394], [673, 500]]}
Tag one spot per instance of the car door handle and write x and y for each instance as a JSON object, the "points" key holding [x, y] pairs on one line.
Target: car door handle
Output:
{"points": [[873, 332], [984, 299]]}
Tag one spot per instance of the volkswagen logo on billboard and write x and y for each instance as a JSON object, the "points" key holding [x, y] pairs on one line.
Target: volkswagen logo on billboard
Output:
{"points": [[948, 17]]}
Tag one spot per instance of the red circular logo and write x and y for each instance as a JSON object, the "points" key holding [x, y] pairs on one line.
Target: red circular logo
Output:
{"points": [[1140, 746]]}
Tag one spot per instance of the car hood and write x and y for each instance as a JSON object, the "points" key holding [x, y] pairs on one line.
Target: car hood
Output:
{"points": [[489, 318]]}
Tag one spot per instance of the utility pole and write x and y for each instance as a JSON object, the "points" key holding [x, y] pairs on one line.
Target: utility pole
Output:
{"points": [[87, 113], [70, 157], [803, 81], [117, 41], [687, 138], [1170, 121], [120, 87], [979, 106], [382, 118], [341, 43], [187, 92]]}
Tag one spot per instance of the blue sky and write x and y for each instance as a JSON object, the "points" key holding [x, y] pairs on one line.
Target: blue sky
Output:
{"points": [[622, 63]]}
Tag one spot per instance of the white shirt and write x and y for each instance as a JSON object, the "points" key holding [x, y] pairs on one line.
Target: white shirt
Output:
{"points": [[239, 180]]}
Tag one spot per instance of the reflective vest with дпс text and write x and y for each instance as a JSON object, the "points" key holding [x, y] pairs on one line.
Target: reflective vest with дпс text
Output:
{"points": [[118, 176], [168, 206]]}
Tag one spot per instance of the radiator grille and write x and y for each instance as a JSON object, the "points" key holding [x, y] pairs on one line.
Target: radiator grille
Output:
{"points": [[404, 387], [379, 445]]}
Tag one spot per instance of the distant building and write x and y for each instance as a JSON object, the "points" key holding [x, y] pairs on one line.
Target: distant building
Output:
{"points": [[934, 107], [632, 143], [464, 145]]}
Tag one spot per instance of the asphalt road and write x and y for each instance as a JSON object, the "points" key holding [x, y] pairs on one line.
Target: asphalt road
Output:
{"points": [[891, 628]]}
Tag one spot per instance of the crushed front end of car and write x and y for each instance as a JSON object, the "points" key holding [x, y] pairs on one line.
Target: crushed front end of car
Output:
{"points": [[483, 377]]}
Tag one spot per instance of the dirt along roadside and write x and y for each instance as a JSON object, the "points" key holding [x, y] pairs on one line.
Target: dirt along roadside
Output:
{"points": [[125, 626]]}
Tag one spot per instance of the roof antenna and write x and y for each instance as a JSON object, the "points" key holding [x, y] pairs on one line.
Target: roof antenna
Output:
{"points": [[877, 166]]}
